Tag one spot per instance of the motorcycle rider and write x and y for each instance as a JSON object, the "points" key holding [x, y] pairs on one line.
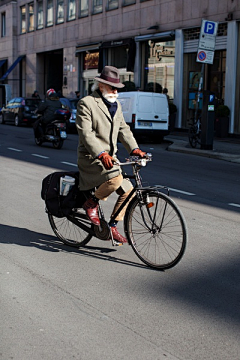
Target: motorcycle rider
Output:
{"points": [[47, 108]]}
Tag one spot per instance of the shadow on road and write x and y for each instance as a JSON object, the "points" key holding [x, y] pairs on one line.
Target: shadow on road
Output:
{"points": [[25, 237]]}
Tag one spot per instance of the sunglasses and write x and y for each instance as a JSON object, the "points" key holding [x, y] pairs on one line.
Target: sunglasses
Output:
{"points": [[113, 88]]}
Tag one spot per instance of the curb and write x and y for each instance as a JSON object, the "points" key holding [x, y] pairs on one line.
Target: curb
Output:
{"points": [[180, 146]]}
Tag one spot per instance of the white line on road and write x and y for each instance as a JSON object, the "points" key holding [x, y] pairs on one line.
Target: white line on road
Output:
{"points": [[13, 149], [41, 156], [232, 204], [180, 191], [68, 163]]}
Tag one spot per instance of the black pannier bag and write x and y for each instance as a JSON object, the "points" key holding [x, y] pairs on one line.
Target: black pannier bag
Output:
{"points": [[56, 204]]}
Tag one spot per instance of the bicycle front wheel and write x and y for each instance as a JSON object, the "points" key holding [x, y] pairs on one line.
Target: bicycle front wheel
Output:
{"points": [[156, 230], [72, 230]]}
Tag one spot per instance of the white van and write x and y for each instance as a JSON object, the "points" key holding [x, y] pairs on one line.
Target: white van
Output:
{"points": [[146, 113]]}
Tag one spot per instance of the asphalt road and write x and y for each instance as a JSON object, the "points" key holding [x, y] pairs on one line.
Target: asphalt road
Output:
{"points": [[100, 302]]}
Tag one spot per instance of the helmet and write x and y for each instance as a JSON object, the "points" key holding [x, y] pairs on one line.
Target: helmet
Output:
{"points": [[50, 92]]}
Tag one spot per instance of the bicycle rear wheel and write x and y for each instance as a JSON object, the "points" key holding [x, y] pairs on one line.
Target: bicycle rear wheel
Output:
{"points": [[68, 229], [157, 234]]}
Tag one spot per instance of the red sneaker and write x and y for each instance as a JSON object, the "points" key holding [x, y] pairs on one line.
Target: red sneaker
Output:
{"points": [[118, 237], [91, 208]]}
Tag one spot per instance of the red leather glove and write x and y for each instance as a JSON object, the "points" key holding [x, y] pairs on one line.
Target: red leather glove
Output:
{"points": [[107, 160], [138, 152]]}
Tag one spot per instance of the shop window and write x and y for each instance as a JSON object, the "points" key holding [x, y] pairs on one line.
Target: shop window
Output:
{"points": [[128, 2], [97, 6], [91, 60], [23, 20], [40, 14], [119, 56], [237, 99], [71, 10], [60, 11], [31, 17], [3, 24], [83, 8], [49, 12], [159, 66], [112, 4], [216, 76]]}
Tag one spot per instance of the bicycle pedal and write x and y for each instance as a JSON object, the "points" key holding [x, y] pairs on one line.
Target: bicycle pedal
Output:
{"points": [[116, 243]]}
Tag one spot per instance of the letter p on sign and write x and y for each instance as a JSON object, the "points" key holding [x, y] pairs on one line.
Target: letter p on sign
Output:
{"points": [[209, 27]]}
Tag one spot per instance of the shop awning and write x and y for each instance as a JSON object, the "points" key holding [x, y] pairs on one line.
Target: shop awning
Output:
{"points": [[12, 67], [164, 36], [2, 62], [87, 47]]}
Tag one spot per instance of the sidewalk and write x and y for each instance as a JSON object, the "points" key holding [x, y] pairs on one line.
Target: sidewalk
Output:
{"points": [[227, 149]]}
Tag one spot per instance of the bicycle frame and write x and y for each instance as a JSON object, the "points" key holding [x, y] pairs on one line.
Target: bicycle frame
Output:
{"points": [[138, 189]]}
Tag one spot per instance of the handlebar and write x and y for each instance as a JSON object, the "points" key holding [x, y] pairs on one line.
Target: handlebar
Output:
{"points": [[135, 160]]}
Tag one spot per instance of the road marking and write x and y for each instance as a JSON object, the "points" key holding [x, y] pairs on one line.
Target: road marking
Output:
{"points": [[13, 149], [41, 156], [180, 191], [232, 204], [68, 163]]}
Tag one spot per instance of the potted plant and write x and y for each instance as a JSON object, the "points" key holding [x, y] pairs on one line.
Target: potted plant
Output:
{"points": [[172, 115], [222, 121]]}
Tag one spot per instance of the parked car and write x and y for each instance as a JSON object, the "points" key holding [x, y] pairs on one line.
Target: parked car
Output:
{"points": [[71, 105], [20, 111]]}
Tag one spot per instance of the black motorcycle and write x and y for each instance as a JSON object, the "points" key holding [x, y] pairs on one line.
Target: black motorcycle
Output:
{"points": [[55, 132]]}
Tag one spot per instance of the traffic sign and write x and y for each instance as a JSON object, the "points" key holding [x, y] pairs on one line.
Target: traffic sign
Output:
{"points": [[208, 35], [205, 56]]}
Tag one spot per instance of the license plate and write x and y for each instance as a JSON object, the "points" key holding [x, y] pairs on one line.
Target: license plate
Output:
{"points": [[34, 116], [144, 123], [63, 134]]}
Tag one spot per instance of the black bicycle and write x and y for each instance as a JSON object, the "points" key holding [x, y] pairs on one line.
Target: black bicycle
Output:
{"points": [[153, 224], [194, 132]]}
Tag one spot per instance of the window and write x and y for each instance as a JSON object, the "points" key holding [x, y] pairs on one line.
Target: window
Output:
{"points": [[71, 9], [23, 19], [49, 12], [83, 8], [40, 14], [112, 4], [60, 11], [3, 24], [159, 66], [31, 17], [97, 6], [129, 2]]}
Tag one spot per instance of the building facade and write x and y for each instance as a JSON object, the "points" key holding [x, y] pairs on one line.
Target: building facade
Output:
{"points": [[64, 44]]}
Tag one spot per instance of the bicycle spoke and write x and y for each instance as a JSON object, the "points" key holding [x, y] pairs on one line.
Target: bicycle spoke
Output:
{"points": [[157, 234]]}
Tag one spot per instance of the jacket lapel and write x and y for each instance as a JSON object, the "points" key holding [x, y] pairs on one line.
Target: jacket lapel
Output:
{"points": [[102, 106]]}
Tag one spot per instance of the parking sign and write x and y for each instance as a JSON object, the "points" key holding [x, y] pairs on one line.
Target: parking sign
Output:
{"points": [[209, 27], [208, 35]]}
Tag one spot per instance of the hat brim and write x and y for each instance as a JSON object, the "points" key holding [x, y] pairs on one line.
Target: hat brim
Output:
{"points": [[116, 85]]}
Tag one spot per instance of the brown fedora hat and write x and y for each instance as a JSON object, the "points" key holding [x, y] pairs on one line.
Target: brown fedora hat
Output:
{"points": [[110, 76]]}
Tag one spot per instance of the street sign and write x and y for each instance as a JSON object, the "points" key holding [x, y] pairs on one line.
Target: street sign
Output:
{"points": [[205, 57], [208, 35]]}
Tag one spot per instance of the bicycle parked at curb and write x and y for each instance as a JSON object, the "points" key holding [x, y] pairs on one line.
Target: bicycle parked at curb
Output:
{"points": [[194, 132], [154, 225]]}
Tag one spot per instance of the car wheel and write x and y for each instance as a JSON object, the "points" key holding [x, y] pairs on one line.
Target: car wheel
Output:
{"points": [[16, 120]]}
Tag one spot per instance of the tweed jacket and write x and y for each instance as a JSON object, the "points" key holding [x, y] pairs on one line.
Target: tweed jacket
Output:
{"points": [[97, 133]]}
